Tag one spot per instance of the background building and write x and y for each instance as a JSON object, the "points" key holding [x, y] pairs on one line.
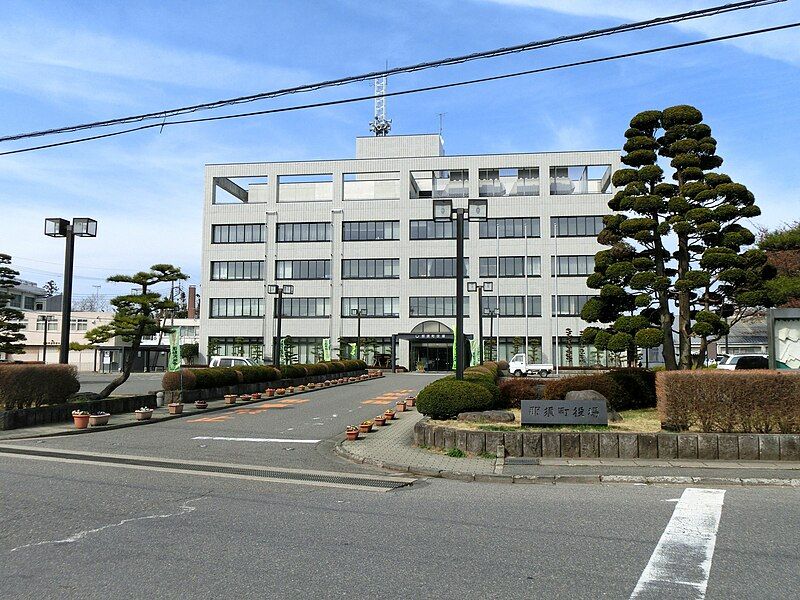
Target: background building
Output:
{"points": [[358, 234]]}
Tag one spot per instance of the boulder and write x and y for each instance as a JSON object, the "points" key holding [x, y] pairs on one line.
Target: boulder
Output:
{"points": [[582, 395], [487, 416]]}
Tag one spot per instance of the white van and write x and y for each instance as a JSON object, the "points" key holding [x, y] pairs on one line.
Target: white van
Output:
{"points": [[231, 361], [519, 366]]}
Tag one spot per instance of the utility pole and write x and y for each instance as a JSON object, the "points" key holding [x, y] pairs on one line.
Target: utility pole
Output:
{"points": [[473, 286]]}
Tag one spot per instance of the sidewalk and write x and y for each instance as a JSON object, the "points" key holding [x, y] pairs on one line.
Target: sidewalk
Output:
{"points": [[392, 448]]}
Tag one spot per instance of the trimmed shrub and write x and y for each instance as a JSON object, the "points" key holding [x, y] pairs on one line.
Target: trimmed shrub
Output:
{"points": [[292, 371], [502, 365], [23, 386], [337, 366], [625, 389], [639, 386], [445, 398], [215, 377], [258, 373], [172, 380], [513, 391], [729, 401]]}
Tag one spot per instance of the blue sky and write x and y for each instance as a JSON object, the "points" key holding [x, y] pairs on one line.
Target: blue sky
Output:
{"points": [[70, 62]]}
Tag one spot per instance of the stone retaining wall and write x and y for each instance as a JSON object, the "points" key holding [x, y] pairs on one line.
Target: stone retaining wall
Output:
{"points": [[557, 444]]}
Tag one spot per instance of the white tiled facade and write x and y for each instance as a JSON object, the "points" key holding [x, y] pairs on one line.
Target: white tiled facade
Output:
{"points": [[383, 183]]}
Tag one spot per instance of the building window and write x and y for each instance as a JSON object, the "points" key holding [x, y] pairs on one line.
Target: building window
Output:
{"points": [[353, 231], [435, 306], [516, 227], [373, 307], [572, 266], [304, 232], [375, 351], [569, 306], [435, 230], [188, 330], [303, 269], [510, 346], [303, 350], [16, 301], [575, 226], [78, 324], [586, 179], [251, 347], [370, 268], [534, 306], [435, 268], [511, 266], [30, 302], [250, 233], [244, 308], [439, 184], [508, 306], [300, 308], [246, 270], [52, 323], [508, 182]]}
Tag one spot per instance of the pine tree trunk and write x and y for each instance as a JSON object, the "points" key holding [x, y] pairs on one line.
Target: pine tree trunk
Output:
{"points": [[684, 307], [665, 314]]}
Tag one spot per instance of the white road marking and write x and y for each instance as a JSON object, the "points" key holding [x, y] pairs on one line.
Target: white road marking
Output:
{"points": [[681, 563], [76, 537], [237, 439]]}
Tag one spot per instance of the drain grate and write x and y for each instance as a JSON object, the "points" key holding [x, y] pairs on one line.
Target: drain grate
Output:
{"points": [[334, 479]]}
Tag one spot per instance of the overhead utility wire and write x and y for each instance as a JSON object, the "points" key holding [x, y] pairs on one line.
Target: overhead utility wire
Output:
{"points": [[414, 90], [164, 114]]}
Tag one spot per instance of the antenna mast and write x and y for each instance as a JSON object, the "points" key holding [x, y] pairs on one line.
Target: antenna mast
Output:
{"points": [[380, 125]]}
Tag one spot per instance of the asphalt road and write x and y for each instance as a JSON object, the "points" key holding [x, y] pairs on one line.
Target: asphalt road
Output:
{"points": [[137, 383], [75, 530]]}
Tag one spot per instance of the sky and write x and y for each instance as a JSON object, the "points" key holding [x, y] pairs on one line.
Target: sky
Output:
{"points": [[63, 63]]}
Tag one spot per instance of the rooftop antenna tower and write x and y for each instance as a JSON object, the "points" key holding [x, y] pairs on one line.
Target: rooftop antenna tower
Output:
{"points": [[380, 125]]}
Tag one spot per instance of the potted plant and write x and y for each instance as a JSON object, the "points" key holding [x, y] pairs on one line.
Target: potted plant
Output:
{"points": [[175, 408], [269, 392], [144, 413], [420, 366], [411, 401], [256, 396], [380, 420], [201, 404], [100, 418], [389, 414], [351, 432], [230, 399], [401, 405], [280, 391], [290, 389], [365, 427], [245, 397], [311, 386], [80, 418], [301, 388]]}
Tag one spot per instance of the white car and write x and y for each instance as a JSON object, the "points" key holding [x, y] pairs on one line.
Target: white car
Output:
{"points": [[729, 362], [519, 366], [231, 361]]}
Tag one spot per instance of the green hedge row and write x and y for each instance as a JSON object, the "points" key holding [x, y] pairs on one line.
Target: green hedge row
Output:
{"points": [[625, 389], [445, 398], [198, 379], [24, 386]]}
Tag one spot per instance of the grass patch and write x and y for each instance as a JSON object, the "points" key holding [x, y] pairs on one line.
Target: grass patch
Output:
{"points": [[643, 420], [456, 453], [488, 455]]}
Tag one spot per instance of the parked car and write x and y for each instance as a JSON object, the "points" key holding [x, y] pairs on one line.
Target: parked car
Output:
{"points": [[231, 361], [519, 366], [729, 363]]}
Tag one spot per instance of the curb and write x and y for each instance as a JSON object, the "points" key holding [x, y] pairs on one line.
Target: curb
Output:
{"points": [[169, 417], [555, 479]]}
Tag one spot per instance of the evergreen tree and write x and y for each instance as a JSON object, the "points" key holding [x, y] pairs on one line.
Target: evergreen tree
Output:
{"points": [[783, 253], [673, 247], [10, 318], [50, 288], [136, 315]]}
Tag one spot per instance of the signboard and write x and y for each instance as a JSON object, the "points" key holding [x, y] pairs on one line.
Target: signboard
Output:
{"points": [[563, 412], [174, 360], [326, 349]]}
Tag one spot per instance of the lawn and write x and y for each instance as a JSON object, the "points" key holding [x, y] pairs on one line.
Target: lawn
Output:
{"points": [[640, 421]]}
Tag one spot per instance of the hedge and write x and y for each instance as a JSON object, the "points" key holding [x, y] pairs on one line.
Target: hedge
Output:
{"points": [[445, 398], [211, 377], [729, 401], [23, 386], [513, 391], [625, 389]]}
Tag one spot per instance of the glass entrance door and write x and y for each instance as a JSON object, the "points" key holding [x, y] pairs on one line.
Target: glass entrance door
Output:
{"points": [[432, 356]]}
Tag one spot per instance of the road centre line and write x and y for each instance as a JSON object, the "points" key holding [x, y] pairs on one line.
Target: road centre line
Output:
{"points": [[237, 439], [681, 563]]}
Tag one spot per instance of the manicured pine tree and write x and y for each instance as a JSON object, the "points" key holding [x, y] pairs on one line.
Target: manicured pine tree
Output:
{"points": [[10, 318]]}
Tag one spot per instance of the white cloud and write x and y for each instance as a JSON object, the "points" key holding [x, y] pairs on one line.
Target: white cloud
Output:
{"points": [[783, 45]]}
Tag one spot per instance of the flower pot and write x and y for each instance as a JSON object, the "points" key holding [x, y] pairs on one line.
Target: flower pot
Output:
{"points": [[230, 399], [351, 435], [143, 415], [401, 406], [270, 392], [256, 396], [81, 421], [244, 397], [411, 401], [201, 404], [380, 421], [280, 391], [175, 408], [365, 428], [290, 389], [301, 388], [99, 419], [311, 386], [389, 415]]}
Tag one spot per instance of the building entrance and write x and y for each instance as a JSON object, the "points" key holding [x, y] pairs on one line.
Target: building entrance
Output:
{"points": [[432, 356]]}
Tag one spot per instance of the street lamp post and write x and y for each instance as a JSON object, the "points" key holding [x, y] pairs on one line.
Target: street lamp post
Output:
{"points": [[492, 312], [443, 211], [46, 320], [358, 312], [80, 227], [473, 286], [279, 290]]}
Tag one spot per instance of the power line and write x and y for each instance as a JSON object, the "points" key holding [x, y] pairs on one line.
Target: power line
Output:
{"points": [[413, 90], [494, 53]]}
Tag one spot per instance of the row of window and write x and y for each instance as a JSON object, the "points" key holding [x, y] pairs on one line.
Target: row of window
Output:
{"points": [[75, 324], [421, 229], [389, 268], [419, 306]]}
